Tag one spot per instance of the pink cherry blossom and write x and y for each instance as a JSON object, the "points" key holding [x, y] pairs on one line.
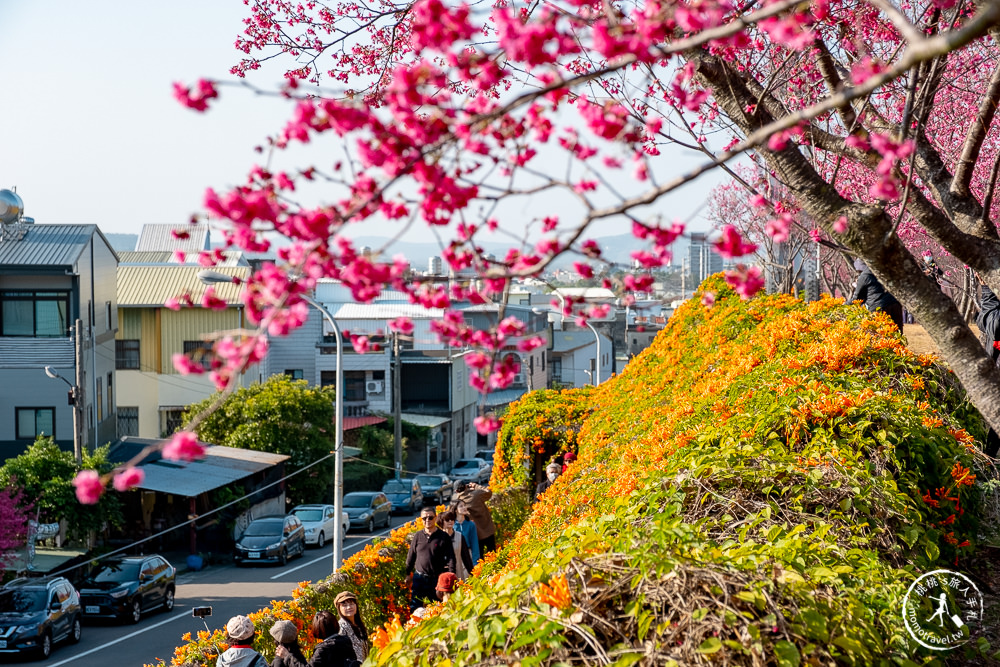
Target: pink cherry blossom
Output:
{"points": [[183, 446], [89, 487], [197, 97], [731, 244], [708, 299], [746, 281], [486, 425], [129, 479]]}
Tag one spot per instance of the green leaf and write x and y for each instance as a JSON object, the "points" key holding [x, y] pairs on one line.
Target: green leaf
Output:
{"points": [[932, 550], [710, 646], [787, 654]]}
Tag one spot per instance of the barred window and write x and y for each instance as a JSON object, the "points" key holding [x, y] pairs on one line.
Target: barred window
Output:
{"points": [[127, 355], [128, 421]]}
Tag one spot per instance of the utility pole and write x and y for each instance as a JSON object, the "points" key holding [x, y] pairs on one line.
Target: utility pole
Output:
{"points": [[397, 403], [78, 392]]}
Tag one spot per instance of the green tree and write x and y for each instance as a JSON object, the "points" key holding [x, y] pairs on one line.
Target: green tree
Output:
{"points": [[44, 474], [281, 416]]}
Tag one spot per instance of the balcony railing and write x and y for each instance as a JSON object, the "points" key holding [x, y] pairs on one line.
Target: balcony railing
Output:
{"points": [[17, 352]]}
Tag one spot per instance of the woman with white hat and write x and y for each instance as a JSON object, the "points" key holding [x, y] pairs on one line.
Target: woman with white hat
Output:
{"points": [[239, 636]]}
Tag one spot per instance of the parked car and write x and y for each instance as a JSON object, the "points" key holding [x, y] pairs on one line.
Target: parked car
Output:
{"points": [[404, 494], [35, 614], [470, 470], [126, 588], [271, 539], [486, 455], [320, 522], [368, 509], [437, 489]]}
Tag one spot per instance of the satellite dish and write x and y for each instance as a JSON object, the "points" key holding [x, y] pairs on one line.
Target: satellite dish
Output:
{"points": [[11, 207]]}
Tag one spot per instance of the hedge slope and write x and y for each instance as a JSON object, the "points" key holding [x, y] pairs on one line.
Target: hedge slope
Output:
{"points": [[758, 487]]}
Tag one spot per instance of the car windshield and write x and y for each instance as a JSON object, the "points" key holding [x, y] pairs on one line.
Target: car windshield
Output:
{"points": [[467, 463], [429, 480], [358, 500], [117, 572], [395, 487], [309, 515], [261, 528], [22, 602]]}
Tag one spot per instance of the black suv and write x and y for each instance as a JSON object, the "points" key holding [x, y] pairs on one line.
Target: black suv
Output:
{"points": [[37, 613], [124, 588]]}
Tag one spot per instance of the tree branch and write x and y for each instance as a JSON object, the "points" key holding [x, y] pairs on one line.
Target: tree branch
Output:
{"points": [[976, 136]]}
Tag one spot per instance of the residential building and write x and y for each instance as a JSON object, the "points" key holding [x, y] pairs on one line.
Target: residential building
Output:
{"points": [[573, 358], [702, 260], [52, 276], [152, 393]]}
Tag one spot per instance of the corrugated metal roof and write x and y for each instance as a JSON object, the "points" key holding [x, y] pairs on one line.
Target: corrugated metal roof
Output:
{"points": [[161, 237], [47, 245], [564, 341], [423, 420], [358, 422], [151, 286], [504, 396], [221, 466], [230, 258]]}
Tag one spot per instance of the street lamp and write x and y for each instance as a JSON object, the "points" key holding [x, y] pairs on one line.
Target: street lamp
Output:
{"points": [[209, 277], [596, 380], [74, 400]]}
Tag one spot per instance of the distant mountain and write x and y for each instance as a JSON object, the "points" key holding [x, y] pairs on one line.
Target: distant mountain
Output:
{"points": [[616, 248], [123, 242]]}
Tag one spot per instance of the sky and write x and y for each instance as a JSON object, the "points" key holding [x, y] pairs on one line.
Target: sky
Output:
{"points": [[90, 132]]}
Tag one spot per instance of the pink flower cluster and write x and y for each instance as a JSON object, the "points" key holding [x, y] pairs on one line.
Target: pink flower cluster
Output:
{"points": [[197, 97]]}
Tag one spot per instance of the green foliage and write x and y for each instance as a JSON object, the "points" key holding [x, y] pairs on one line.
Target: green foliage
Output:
{"points": [[44, 473], [281, 416]]}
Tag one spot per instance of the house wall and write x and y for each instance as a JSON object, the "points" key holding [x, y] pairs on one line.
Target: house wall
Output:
{"points": [[150, 391], [297, 351]]}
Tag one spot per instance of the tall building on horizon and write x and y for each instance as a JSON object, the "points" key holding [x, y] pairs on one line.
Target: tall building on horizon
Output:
{"points": [[703, 261]]}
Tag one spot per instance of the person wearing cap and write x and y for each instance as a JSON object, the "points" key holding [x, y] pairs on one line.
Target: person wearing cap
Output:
{"points": [[286, 634], [333, 650], [552, 471], [239, 636], [446, 586], [475, 497], [351, 624]]}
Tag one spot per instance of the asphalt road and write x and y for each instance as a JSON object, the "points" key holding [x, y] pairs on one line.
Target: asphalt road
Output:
{"points": [[228, 589]]}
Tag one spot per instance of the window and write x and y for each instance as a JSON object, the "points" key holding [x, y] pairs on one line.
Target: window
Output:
{"points": [[34, 314], [172, 421], [378, 375], [128, 421], [29, 422], [557, 369], [127, 355], [99, 403], [111, 395], [199, 351], [107, 315], [354, 384], [295, 373]]}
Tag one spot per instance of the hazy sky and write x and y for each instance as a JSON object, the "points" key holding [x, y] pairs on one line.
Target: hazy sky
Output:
{"points": [[90, 132]]}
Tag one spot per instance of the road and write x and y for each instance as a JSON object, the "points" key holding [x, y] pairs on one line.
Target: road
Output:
{"points": [[228, 589]]}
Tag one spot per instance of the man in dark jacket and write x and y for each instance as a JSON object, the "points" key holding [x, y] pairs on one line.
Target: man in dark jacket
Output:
{"points": [[431, 555], [988, 322], [875, 296]]}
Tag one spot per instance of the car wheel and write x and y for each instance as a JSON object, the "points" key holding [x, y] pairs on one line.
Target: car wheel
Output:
{"points": [[45, 648], [371, 525], [168, 600], [388, 520], [135, 611], [282, 558], [321, 540], [76, 631]]}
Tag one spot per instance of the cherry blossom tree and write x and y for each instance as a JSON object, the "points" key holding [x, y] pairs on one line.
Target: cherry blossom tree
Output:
{"points": [[875, 119], [13, 524]]}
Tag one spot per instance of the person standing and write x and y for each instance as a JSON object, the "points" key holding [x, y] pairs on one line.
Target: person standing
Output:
{"points": [[465, 525], [431, 555], [875, 296], [463, 557], [552, 471], [988, 322], [333, 650], [351, 624], [239, 636], [285, 634], [475, 496]]}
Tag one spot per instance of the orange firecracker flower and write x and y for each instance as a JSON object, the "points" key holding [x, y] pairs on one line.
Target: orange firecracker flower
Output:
{"points": [[555, 593], [962, 476]]}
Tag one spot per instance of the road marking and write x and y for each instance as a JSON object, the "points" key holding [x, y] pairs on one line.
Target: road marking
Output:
{"points": [[329, 556], [117, 641]]}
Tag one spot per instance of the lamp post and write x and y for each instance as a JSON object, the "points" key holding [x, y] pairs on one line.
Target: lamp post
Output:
{"points": [[208, 277], [597, 336], [75, 399]]}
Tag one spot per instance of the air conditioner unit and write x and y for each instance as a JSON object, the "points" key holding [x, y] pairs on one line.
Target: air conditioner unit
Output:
{"points": [[519, 379], [373, 386]]}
